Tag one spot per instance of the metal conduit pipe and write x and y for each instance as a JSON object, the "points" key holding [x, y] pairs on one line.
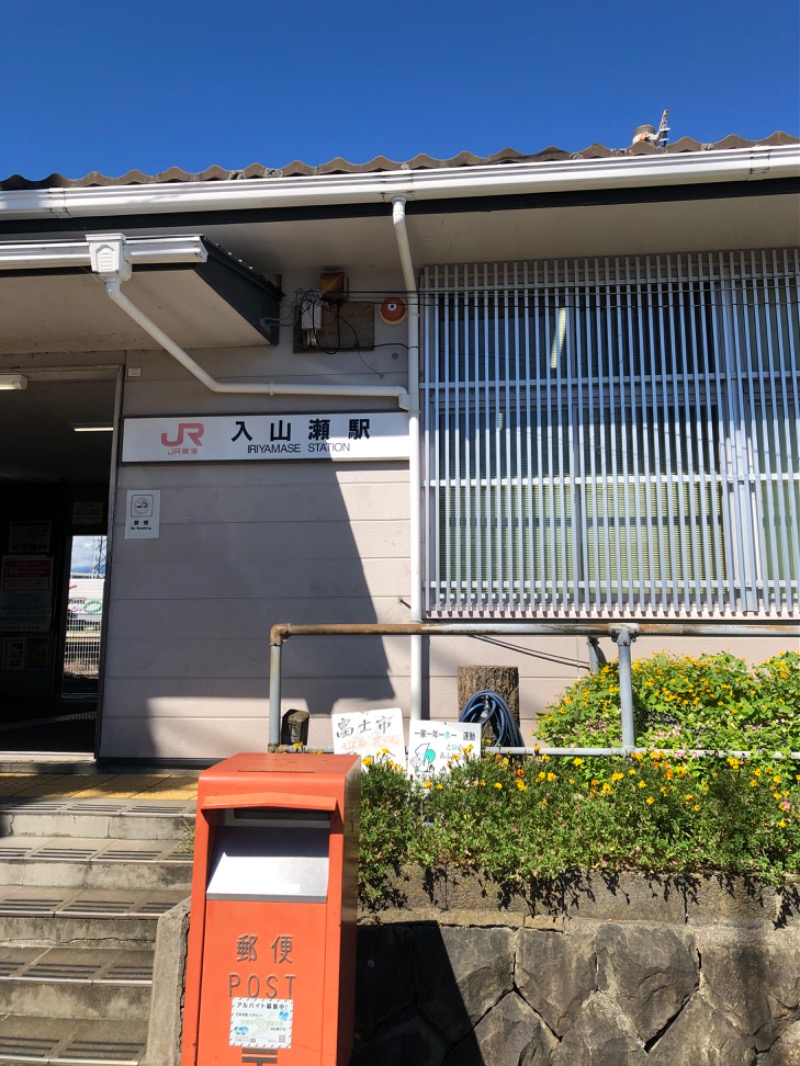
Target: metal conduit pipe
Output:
{"points": [[282, 631], [623, 638], [113, 289], [414, 460], [672, 752]]}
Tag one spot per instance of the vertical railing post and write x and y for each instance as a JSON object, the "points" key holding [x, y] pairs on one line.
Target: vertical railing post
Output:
{"points": [[275, 693], [624, 636], [596, 656]]}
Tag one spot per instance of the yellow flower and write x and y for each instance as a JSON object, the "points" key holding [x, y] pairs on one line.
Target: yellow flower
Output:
{"points": [[606, 788], [650, 800], [632, 772], [428, 784], [617, 777], [521, 786], [753, 783], [497, 784], [577, 762], [782, 824], [367, 760], [642, 784]]}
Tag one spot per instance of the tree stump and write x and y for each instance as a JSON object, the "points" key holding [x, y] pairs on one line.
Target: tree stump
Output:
{"points": [[504, 680]]}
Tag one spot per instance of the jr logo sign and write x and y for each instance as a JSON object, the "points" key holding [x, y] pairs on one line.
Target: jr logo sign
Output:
{"points": [[193, 430]]}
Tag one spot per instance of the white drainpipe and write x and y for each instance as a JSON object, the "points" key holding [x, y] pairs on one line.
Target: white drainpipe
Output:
{"points": [[414, 464], [109, 262]]}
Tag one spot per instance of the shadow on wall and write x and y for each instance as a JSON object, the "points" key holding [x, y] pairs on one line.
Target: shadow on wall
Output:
{"points": [[243, 546], [438, 996]]}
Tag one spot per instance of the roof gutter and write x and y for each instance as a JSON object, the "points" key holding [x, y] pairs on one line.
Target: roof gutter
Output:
{"points": [[76, 255], [724, 165]]}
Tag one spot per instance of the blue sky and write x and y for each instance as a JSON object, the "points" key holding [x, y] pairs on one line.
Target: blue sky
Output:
{"points": [[110, 86]]}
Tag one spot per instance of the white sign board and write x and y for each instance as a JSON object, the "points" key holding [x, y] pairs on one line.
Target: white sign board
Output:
{"points": [[142, 514], [354, 437], [432, 744], [369, 733]]}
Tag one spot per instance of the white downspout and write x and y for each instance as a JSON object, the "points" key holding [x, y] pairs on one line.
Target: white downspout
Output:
{"points": [[414, 462], [116, 270]]}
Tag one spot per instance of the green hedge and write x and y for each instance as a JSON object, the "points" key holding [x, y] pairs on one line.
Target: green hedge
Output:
{"points": [[514, 820]]}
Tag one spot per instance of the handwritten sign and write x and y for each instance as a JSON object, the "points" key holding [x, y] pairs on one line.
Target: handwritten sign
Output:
{"points": [[370, 733]]}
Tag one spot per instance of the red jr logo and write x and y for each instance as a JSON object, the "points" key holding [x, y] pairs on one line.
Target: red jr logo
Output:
{"points": [[193, 430]]}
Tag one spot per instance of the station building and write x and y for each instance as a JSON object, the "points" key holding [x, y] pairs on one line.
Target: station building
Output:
{"points": [[559, 388]]}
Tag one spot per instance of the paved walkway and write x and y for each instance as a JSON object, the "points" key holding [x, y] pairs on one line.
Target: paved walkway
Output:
{"points": [[100, 786]]}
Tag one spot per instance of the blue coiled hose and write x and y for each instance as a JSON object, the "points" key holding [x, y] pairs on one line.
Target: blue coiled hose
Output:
{"points": [[488, 706]]}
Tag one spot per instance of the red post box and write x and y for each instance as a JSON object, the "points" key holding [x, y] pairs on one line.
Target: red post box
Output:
{"points": [[270, 973]]}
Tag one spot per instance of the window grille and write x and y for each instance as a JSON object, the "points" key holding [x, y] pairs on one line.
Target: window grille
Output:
{"points": [[613, 437]]}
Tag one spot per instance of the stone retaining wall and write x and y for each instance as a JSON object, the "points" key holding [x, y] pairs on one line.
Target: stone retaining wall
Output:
{"points": [[592, 971]]}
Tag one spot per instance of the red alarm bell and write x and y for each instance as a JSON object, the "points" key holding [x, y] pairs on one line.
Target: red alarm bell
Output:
{"points": [[393, 310]]}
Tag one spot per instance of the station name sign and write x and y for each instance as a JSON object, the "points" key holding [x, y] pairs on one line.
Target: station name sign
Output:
{"points": [[354, 437]]}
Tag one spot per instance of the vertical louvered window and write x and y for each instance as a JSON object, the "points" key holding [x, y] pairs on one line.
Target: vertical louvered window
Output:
{"points": [[615, 436]]}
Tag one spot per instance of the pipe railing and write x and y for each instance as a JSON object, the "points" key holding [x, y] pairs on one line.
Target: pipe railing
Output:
{"points": [[622, 632]]}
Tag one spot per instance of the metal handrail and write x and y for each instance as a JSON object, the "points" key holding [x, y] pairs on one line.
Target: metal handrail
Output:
{"points": [[623, 632]]}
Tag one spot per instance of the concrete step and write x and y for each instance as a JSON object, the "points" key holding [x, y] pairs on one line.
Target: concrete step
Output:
{"points": [[98, 819], [61, 1041], [93, 863], [50, 916], [83, 882], [74, 983]]}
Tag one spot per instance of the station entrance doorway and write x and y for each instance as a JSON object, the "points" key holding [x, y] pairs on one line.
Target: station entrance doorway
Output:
{"points": [[56, 458]]}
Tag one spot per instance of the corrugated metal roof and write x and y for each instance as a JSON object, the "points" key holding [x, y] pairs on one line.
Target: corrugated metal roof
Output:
{"points": [[381, 164]]}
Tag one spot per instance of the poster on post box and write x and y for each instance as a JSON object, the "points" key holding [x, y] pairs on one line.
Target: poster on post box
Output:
{"points": [[261, 1023], [433, 745], [378, 734]]}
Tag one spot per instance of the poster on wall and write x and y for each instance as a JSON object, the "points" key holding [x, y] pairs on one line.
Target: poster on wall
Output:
{"points": [[26, 593], [13, 653], [25, 653], [37, 653], [87, 513], [28, 537]]}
